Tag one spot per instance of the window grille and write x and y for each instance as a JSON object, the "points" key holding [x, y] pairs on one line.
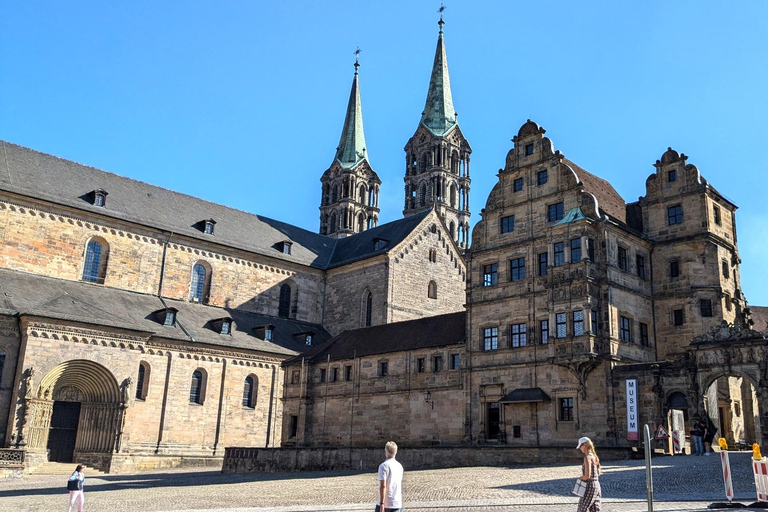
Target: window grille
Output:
{"points": [[517, 269], [491, 338], [561, 325], [675, 214], [544, 329], [519, 335], [554, 212], [578, 323]]}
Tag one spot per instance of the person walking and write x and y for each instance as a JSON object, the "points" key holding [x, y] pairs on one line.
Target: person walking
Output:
{"points": [[390, 480], [590, 470], [709, 435], [697, 436], [75, 486]]}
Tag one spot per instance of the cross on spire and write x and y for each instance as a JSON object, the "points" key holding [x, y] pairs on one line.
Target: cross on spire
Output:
{"points": [[357, 58], [440, 10]]}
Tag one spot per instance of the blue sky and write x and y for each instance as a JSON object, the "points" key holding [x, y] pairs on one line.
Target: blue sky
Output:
{"points": [[242, 103]]}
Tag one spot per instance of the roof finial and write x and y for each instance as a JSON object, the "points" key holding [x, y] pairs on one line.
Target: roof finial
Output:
{"points": [[441, 22], [357, 58]]}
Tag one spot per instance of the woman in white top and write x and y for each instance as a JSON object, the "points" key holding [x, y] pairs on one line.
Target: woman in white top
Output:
{"points": [[76, 480]]}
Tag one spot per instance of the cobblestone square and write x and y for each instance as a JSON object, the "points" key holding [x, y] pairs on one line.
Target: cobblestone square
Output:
{"points": [[680, 483]]}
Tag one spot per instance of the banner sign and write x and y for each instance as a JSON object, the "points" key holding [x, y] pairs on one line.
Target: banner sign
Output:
{"points": [[632, 409]]}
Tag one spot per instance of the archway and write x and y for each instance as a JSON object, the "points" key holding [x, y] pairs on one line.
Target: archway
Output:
{"points": [[732, 404], [76, 413]]}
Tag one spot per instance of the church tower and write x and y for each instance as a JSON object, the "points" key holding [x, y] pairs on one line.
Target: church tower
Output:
{"points": [[437, 156], [350, 199]]}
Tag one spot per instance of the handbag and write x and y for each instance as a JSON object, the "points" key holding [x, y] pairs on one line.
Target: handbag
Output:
{"points": [[73, 485], [579, 488]]}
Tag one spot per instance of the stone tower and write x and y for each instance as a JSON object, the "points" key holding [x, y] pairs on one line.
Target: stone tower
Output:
{"points": [[437, 156], [350, 200]]}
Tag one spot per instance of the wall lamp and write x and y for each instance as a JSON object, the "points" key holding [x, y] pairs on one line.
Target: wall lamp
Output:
{"points": [[428, 399]]}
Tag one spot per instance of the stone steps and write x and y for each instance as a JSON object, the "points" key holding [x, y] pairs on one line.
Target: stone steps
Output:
{"points": [[63, 468]]}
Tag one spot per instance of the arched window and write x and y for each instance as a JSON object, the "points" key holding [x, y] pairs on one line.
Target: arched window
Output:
{"points": [[197, 387], [423, 195], [453, 195], [432, 290], [199, 289], [335, 194], [284, 306], [249, 392], [360, 223], [95, 266], [362, 194], [142, 382], [367, 309], [333, 225]]}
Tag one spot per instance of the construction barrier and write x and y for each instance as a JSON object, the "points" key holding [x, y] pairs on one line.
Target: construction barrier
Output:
{"points": [[760, 468], [726, 462], [676, 448]]}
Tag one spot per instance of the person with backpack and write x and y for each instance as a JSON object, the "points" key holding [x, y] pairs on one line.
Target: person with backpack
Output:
{"points": [[75, 488]]}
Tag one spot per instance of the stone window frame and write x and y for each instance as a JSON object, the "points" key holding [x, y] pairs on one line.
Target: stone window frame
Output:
{"points": [[200, 291], [728, 302], [622, 258], [725, 269], [438, 363], [675, 215], [383, 368], [575, 249], [517, 432], [578, 323], [528, 151], [347, 372], [677, 320], [295, 376], [490, 275], [323, 375], [558, 316], [518, 335], [591, 249], [640, 266], [716, 215], [671, 175], [544, 331], [517, 185], [142, 380], [432, 290], [433, 255], [421, 364], [250, 391], [517, 269], [95, 270], [542, 177], [555, 211], [645, 340], [706, 306], [366, 308], [293, 426], [507, 224], [558, 249], [334, 376], [197, 392], [566, 403], [543, 262], [487, 336], [593, 322], [674, 268], [455, 362], [625, 329]]}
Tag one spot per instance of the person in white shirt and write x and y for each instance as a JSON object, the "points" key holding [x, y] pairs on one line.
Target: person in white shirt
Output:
{"points": [[390, 480]]}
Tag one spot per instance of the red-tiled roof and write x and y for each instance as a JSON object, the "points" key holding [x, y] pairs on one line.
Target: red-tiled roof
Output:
{"points": [[608, 199]]}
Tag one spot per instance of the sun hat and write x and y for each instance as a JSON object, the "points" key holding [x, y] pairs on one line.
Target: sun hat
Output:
{"points": [[583, 440]]}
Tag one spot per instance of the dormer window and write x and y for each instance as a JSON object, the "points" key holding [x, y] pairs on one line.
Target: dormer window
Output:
{"points": [[98, 197], [268, 333], [221, 325], [286, 246], [379, 244], [308, 337], [225, 327], [208, 229], [170, 318], [265, 332], [167, 316], [308, 340]]}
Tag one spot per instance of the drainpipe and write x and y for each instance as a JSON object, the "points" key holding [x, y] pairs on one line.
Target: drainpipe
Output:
{"points": [[271, 399], [221, 404]]}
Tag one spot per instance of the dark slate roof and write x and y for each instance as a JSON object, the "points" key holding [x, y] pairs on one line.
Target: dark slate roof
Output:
{"points": [[525, 395], [433, 331], [760, 317], [23, 293], [608, 199], [31, 173], [360, 246]]}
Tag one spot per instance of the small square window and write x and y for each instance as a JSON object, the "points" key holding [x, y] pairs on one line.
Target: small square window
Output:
{"points": [[420, 365], [674, 269], [455, 361], [490, 274], [706, 307], [677, 317], [542, 177], [566, 409], [517, 269], [554, 212], [675, 215], [528, 149], [519, 335], [508, 224], [348, 373], [383, 369], [517, 185], [672, 176]]}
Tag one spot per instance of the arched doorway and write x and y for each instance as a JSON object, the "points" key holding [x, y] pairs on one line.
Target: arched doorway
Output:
{"points": [[75, 413], [677, 416], [732, 404]]}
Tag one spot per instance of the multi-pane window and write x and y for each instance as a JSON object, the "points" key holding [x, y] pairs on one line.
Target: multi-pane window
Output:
{"points": [[623, 259], [491, 338], [323, 375], [677, 317], [675, 214], [559, 254], [420, 365], [716, 213], [528, 149], [92, 262], [197, 287], [383, 369], [517, 185], [508, 224], [348, 373], [554, 212], [543, 260], [561, 327], [284, 304], [575, 250], [726, 272], [544, 330], [566, 409], [578, 323], [455, 361], [674, 269], [195, 388], [672, 176], [519, 335], [517, 269], [248, 389], [591, 249], [640, 263], [437, 363], [593, 322], [644, 335], [490, 274], [541, 177], [625, 329], [706, 307]]}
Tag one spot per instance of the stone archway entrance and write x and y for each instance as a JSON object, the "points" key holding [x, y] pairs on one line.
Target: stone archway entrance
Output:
{"points": [[75, 414]]}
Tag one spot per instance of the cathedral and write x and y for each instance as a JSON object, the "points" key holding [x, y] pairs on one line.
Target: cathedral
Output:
{"points": [[145, 328]]}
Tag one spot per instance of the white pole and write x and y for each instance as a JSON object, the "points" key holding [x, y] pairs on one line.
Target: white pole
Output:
{"points": [[648, 468]]}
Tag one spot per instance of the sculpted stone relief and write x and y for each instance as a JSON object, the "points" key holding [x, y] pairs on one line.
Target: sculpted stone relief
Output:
{"points": [[67, 394]]}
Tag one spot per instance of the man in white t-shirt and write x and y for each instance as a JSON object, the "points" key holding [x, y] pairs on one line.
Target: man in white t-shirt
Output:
{"points": [[390, 479]]}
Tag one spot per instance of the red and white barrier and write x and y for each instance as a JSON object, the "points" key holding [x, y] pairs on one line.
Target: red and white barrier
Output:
{"points": [[760, 469], [726, 462], [676, 448]]}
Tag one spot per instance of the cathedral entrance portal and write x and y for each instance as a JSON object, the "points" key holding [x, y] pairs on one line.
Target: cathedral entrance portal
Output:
{"points": [[733, 408], [63, 431]]}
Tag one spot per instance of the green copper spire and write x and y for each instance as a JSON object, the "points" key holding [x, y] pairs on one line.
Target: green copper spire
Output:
{"points": [[439, 115], [351, 148]]}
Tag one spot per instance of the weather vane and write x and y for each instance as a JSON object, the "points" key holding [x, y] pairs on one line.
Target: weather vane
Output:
{"points": [[357, 58], [440, 10]]}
